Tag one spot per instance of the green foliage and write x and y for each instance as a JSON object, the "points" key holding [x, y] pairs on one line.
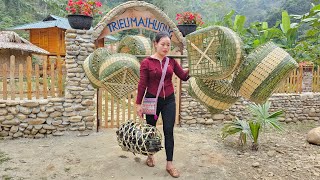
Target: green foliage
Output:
{"points": [[237, 126], [260, 119], [261, 115], [255, 130], [3, 157]]}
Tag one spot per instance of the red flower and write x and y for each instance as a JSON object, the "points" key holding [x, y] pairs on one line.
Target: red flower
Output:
{"points": [[189, 18], [84, 7]]}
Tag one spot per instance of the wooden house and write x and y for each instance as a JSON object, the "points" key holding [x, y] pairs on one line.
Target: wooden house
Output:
{"points": [[48, 34]]}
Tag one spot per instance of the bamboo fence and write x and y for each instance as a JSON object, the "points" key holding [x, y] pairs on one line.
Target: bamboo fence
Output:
{"points": [[32, 81]]}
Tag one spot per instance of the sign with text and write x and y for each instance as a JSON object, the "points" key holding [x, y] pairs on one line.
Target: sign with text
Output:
{"points": [[134, 19]]}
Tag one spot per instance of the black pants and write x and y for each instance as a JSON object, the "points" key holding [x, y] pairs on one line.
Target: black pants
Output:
{"points": [[167, 107]]}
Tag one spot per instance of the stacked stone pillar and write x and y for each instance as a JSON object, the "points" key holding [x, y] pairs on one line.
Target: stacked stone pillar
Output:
{"points": [[79, 94]]}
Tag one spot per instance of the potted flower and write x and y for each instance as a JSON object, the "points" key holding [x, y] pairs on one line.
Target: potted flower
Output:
{"points": [[188, 22], [81, 13]]}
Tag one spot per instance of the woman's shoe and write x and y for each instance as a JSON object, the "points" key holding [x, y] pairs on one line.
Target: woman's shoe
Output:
{"points": [[150, 162], [173, 172]]}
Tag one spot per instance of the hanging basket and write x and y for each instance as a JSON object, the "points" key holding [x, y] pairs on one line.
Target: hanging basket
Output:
{"points": [[215, 95], [99, 56], [91, 73], [78, 21], [120, 74], [136, 45], [262, 71], [186, 29], [214, 52], [139, 138]]}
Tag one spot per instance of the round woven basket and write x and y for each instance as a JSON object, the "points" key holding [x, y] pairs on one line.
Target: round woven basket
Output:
{"points": [[120, 74], [215, 95], [136, 45], [262, 71], [214, 52], [139, 138], [90, 73], [99, 56]]}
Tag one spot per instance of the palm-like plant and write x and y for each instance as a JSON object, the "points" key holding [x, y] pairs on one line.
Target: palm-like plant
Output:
{"points": [[261, 114], [237, 126], [262, 119]]}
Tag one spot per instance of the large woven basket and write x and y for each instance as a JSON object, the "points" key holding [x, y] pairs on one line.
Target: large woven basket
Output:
{"points": [[99, 56], [262, 71], [214, 52], [135, 44], [120, 74], [215, 95], [90, 73], [139, 138]]}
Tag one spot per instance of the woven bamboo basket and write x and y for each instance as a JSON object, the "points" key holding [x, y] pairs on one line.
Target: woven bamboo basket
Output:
{"points": [[262, 71], [120, 74], [215, 95], [90, 73], [99, 56], [139, 138], [214, 52], [136, 45]]}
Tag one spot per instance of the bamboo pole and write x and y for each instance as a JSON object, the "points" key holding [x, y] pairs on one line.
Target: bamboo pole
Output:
{"points": [[29, 75], [12, 83], [106, 106], [44, 79], [5, 84], [21, 81], [37, 74]]}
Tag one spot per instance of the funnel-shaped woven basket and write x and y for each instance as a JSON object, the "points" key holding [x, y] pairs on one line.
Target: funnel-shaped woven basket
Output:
{"points": [[135, 44], [214, 52], [99, 56], [120, 74], [215, 95], [262, 71], [91, 73], [139, 138]]}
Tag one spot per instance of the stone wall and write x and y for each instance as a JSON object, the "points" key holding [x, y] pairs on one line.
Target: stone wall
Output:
{"points": [[79, 94], [297, 107], [54, 116], [32, 118]]}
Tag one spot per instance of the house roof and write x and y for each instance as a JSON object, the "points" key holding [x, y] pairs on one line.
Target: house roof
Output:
{"points": [[48, 22], [11, 40]]}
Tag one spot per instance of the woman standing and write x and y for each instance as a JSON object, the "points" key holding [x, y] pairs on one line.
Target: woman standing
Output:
{"points": [[150, 75]]}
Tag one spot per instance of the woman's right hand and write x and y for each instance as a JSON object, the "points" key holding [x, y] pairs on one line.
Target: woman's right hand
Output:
{"points": [[139, 110]]}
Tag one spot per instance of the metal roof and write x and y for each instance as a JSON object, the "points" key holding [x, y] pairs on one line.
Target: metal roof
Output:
{"points": [[48, 22]]}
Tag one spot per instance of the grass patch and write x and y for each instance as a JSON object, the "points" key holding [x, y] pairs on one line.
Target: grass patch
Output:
{"points": [[6, 177], [3, 157], [67, 169]]}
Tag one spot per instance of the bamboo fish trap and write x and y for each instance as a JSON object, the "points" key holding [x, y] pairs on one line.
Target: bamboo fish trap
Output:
{"points": [[214, 52], [262, 71], [215, 95], [135, 44], [99, 56], [90, 73], [139, 138], [92, 64], [120, 74]]}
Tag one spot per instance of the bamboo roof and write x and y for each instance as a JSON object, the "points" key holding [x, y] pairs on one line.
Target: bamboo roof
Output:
{"points": [[11, 40]]}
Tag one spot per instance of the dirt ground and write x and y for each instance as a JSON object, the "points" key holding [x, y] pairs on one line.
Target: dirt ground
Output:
{"points": [[199, 154]]}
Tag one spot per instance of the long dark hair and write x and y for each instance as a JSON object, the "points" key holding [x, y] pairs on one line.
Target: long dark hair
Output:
{"points": [[161, 35]]}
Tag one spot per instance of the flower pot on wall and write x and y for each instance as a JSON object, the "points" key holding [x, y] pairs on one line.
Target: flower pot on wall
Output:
{"points": [[186, 29], [78, 21]]}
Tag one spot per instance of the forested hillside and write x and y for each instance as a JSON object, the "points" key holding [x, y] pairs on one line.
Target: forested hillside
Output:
{"points": [[17, 12]]}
